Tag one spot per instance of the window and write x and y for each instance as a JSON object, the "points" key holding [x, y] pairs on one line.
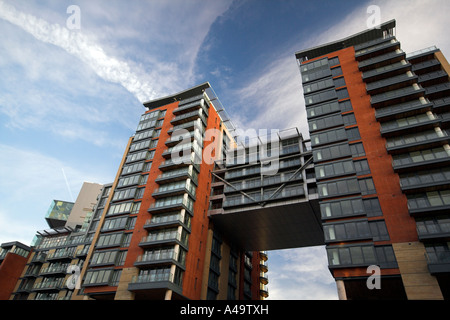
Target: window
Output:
{"points": [[103, 258], [357, 150], [386, 257], [333, 61], [124, 194], [335, 72], [331, 152], [110, 240], [328, 137], [429, 199], [366, 185], [378, 230], [353, 134], [362, 167], [335, 169], [342, 94], [145, 144], [317, 86], [351, 255], [143, 135], [323, 109], [372, 207], [320, 97], [98, 277], [111, 224], [336, 188], [349, 119], [315, 70], [339, 82], [326, 122], [346, 231], [132, 168], [421, 156], [342, 208], [345, 106]]}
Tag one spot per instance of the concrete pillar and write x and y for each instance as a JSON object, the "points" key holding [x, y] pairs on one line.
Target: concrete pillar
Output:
{"points": [[418, 282], [341, 290], [168, 295]]}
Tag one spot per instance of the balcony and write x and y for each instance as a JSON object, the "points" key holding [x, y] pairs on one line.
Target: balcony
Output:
{"points": [[377, 49], [188, 117], [263, 290], [426, 66], [406, 109], [423, 159], [438, 91], [382, 60], [154, 283], [54, 270], [410, 125], [160, 258], [165, 237], [39, 258], [433, 228], [417, 141], [185, 107], [189, 126], [385, 72], [264, 256], [438, 262], [60, 255], [51, 285], [433, 78], [173, 220], [177, 189], [390, 84], [432, 202], [397, 96], [177, 175], [264, 266], [442, 104]]}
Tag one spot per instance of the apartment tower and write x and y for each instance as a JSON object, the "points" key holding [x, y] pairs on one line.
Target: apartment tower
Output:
{"points": [[152, 237], [378, 123]]}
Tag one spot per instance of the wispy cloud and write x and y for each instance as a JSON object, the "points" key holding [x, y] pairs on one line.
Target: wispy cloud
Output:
{"points": [[300, 274], [274, 94], [81, 46]]}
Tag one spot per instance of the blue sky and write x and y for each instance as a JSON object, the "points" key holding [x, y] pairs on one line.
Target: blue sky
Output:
{"points": [[71, 98]]}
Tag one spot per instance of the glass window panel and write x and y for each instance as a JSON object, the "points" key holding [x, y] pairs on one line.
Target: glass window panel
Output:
{"points": [[357, 257]]}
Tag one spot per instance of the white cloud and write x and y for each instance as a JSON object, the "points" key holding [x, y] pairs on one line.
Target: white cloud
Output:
{"points": [[300, 274], [81, 46]]}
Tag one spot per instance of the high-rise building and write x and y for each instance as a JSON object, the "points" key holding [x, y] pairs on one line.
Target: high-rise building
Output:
{"points": [[193, 207], [378, 122], [151, 235]]}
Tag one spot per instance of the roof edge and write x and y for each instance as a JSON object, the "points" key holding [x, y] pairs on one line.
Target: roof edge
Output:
{"points": [[153, 104], [355, 39]]}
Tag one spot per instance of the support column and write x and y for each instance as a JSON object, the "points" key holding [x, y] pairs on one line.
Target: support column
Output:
{"points": [[168, 295], [341, 290], [418, 282]]}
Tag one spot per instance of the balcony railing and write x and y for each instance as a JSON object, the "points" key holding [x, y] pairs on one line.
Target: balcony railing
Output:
{"points": [[56, 284], [397, 96], [165, 237]]}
